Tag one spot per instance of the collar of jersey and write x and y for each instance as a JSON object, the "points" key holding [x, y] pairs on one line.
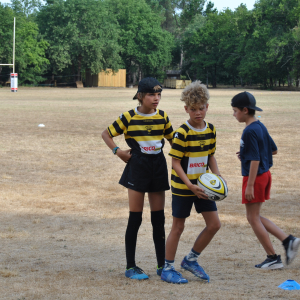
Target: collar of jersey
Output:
{"points": [[196, 129], [144, 115]]}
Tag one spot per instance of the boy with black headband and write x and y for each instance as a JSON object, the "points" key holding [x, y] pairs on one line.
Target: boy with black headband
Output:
{"points": [[145, 128], [256, 151]]}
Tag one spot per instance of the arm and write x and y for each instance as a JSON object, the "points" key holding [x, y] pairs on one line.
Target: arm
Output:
{"points": [[274, 152], [249, 193], [193, 187], [124, 155]]}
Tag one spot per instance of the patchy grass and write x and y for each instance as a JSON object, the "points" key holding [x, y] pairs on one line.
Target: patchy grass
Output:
{"points": [[63, 214]]}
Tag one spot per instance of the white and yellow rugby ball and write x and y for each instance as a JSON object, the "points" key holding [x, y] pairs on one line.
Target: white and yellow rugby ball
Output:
{"points": [[213, 185]]}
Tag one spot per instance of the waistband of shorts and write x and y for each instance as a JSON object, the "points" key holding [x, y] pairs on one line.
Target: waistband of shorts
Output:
{"points": [[138, 153]]}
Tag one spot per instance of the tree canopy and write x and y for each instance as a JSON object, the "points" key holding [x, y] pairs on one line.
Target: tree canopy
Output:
{"points": [[148, 37]]}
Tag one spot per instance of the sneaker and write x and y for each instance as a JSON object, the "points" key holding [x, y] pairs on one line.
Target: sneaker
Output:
{"points": [[159, 270], [194, 268], [271, 264], [291, 249], [172, 276], [136, 273]]}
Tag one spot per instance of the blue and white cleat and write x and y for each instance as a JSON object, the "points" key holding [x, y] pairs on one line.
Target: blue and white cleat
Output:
{"points": [[172, 276], [136, 273], [194, 268]]}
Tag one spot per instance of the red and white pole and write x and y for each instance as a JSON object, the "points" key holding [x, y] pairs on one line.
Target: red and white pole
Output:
{"points": [[14, 82]]}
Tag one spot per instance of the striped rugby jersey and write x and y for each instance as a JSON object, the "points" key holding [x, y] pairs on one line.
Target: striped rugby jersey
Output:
{"points": [[143, 132], [193, 147]]}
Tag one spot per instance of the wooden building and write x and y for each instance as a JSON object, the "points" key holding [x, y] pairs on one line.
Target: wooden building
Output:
{"points": [[173, 80], [106, 78]]}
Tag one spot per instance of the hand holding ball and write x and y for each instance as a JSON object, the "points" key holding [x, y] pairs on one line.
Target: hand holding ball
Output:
{"points": [[213, 185]]}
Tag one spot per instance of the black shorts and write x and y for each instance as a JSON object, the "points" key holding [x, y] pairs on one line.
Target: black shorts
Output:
{"points": [[182, 206], [146, 173]]}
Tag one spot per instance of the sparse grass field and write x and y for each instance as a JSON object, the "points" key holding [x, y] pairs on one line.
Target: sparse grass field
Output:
{"points": [[63, 214]]}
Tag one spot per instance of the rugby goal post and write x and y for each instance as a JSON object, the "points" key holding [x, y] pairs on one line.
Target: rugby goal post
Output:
{"points": [[13, 75]]}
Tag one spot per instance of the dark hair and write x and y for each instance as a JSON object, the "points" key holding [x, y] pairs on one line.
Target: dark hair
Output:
{"points": [[140, 97], [251, 112]]}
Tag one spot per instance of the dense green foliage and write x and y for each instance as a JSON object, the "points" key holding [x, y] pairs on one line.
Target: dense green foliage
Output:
{"points": [[148, 37]]}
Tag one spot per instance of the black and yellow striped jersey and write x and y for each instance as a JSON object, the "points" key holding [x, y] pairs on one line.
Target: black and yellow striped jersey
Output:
{"points": [[143, 132], [193, 147]]}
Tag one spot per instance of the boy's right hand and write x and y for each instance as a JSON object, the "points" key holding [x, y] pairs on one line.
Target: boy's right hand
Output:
{"points": [[238, 155], [198, 191], [124, 155]]}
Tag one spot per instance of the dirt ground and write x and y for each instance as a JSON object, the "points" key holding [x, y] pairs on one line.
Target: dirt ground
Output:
{"points": [[63, 213]]}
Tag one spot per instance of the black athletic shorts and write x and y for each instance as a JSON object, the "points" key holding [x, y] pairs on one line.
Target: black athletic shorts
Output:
{"points": [[182, 206], [146, 173]]}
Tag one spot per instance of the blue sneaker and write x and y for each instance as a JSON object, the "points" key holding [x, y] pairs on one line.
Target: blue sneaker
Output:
{"points": [[172, 276], [136, 273], [159, 270], [194, 268]]}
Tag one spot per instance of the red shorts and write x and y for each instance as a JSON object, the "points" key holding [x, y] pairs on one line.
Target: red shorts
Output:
{"points": [[262, 188]]}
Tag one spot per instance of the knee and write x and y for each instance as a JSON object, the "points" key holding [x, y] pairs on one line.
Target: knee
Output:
{"points": [[135, 219], [177, 229], [252, 219], [214, 228], [158, 218]]}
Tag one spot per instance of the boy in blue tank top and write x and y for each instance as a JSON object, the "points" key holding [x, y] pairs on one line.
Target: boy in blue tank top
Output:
{"points": [[256, 150]]}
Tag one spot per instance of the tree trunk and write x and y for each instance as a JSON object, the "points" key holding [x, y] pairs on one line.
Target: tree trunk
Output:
{"points": [[79, 68], [207, 78], [140, 74]]}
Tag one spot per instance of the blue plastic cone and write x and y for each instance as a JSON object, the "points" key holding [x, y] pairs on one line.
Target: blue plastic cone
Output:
{"points": [[290, 285]]}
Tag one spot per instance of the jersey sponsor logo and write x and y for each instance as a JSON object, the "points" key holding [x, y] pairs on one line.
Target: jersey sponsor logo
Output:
{"points": [[149, 148], [149, 128], [197, 165], [176, 135]]}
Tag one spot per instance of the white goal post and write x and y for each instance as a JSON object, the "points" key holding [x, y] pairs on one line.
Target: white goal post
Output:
{"points": [[13, 75]]}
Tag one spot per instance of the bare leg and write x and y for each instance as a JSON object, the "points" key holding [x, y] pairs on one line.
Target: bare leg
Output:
{"points": [[273, 229], [213, 224], [136, 200], [254, 219], [173, 238], [157, 201]]}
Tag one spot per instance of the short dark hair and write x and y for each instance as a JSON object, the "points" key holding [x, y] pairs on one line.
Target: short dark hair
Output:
{"points": [[251, 112], [140, 96]]}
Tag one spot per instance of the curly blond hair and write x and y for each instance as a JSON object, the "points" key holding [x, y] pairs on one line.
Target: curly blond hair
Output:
{"points": [[195, 94]]}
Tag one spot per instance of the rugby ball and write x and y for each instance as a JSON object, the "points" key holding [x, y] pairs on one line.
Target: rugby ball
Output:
{"points": [[213, 185]]}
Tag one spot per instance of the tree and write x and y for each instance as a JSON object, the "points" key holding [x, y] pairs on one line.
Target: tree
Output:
{"points": [[30, 61], [6, 35], [82, 34], [146, 47]]}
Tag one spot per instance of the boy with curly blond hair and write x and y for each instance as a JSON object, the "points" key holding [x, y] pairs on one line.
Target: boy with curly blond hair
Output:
{"points": [[192, 152]]}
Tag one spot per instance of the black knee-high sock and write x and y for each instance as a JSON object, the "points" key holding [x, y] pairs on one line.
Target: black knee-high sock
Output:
{"points": [[134, 223], [158, 224]]}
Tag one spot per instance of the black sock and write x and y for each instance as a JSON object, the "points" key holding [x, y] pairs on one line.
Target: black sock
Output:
{"points": [[158, 224], [134, 223], [286, 241], [274, 256]]}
